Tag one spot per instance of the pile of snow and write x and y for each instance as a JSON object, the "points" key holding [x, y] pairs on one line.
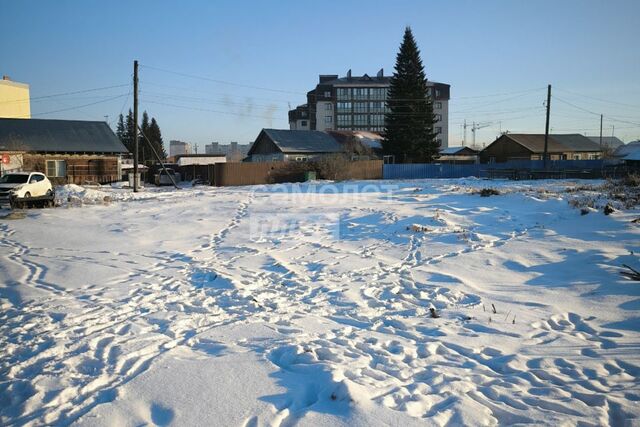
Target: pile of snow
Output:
{"points": [[76, 195]]}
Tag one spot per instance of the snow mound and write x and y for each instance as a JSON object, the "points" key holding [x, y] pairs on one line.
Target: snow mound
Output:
{"points": [[75, 195]]}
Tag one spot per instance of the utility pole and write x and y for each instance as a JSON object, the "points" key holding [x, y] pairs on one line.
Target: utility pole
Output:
{"points": [[546, 128], [464, 138], [600, 132], [135, 126]]}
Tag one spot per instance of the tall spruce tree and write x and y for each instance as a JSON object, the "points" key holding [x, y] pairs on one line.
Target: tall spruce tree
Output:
{"points": [[409, 122], [120, 129], [155, 136], [128, 134], [144, 153]]}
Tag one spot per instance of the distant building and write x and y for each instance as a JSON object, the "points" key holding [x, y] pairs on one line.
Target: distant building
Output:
{"points": [[513, 146], [15, 102], [358, 103], [626, 149], [199, 159], [67, 151], [235, 152], [274, 145], [179, 147]]}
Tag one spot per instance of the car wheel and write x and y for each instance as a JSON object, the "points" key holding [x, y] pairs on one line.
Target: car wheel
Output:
{"points": [[27, 195]]}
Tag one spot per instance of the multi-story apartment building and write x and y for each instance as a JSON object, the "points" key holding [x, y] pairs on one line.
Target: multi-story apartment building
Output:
{"points": [[359, 103], [233, 151], [179, 147], [14, 99]]}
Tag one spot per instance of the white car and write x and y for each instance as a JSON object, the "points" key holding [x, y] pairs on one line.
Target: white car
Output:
{"points": [[24, 185]]}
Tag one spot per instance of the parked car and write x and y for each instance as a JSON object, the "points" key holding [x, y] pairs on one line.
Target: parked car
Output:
{"points": [[25, 187], [162, 178]]}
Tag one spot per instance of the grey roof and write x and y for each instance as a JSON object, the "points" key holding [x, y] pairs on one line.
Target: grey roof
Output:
{"points": [[61, 136], [303, 141], [608, 141], [455, 150], [556, 144], [627, 149]]}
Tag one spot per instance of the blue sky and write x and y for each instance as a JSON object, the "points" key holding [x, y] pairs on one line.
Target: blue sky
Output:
{"points": [[498, 57]]}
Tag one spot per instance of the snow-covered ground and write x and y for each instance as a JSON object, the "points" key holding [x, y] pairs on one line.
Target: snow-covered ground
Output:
{"points": [[310, 304]]}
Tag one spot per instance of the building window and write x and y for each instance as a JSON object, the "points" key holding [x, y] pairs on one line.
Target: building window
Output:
{"points": [[439, 105], [377, 119], [344, 93], [303, 123], [439, 142], [437, 93], [378, 93], [361, 93], [56, 168], [429, 91], [376, 107], [344, 107], [360, 120], [344, 120], [359, 107], [327, 94], [438, 117], [438, 129], [328, 120], [301, 159], [328, 107]]}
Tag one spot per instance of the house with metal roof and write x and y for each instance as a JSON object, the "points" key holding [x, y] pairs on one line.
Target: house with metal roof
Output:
{"points": [[458, 155], [67, 151], [273, 145], [608, 142], [512, 146]]}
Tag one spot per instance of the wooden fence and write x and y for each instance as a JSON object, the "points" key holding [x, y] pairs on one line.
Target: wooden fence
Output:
{"points": [[232, 174]]}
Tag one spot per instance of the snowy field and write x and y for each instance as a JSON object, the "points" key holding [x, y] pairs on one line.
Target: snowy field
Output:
{"points": [[310, 305]]}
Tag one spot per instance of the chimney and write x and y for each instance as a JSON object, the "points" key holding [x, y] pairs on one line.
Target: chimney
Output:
{"points": [[349, 73], [380, 73]]}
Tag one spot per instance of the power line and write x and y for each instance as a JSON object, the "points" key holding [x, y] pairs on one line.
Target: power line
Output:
{"points": [[64, 94], [500, 94], [77, 107], [209, 110], [599, 99], [221, 81]]}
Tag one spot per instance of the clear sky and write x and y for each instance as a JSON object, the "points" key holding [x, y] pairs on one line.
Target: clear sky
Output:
{"points": [[498, 56]]}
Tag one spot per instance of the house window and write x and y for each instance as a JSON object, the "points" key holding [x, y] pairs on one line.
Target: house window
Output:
{"points": [[303, 123], [301, 159], [56, 168], [576, 157], [439, 105], [328, 107], [328, 120]]}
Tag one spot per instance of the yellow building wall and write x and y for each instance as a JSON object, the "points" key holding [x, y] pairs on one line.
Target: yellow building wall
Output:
{"points": [[14, 100]]}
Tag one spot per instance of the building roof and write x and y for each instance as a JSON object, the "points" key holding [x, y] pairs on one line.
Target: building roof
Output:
{"points": [[556, 144], [627, 149], [178, 156], [450, 151], [61, 136], [302, 141], [368, 139], [608, 141]]}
